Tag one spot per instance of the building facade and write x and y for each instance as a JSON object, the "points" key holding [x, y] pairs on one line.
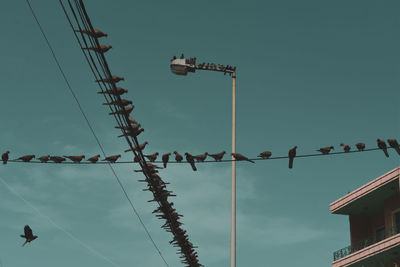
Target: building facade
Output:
{"points": [[374, 217]]}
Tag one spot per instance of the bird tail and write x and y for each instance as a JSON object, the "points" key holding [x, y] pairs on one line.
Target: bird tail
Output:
{"points": [[386, 153], [193, 166], [290, 163], [165, 165], [251, 161], [25, 243], [397, 150]]}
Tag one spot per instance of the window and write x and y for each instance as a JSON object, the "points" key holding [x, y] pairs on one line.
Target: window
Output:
{"points": [[397, 221]]}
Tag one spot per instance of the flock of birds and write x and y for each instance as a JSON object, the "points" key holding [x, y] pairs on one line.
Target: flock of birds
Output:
{"points": [[192, 159]]}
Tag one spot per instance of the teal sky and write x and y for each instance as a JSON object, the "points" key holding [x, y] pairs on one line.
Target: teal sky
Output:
{"points": [[309, 73]]}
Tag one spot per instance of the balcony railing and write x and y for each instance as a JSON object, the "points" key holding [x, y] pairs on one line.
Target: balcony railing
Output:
{"points": [[394, 230]]}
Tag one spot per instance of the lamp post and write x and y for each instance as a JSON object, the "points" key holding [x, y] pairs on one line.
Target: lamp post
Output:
{"points": [[181, 66]]}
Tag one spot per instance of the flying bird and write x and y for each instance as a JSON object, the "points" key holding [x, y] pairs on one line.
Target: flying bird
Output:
{"points": [[44, 159], [4, 157], [382, 145], [112, 159], [218, 156], [394, 144], [292, 154], [152, 157], [94, 159], [190, 159], [165, 159], [325, 150], [57, 159], [201, 158], [360, 146], [178, 157], [346, 148], [265, 154], [239, 157], [28, 235], [27, 158]]}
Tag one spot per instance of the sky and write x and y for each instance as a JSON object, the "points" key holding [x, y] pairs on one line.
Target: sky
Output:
{"points": [[309, 73]]}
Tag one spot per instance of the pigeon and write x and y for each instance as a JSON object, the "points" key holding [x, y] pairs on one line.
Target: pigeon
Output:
{"points": [[132, 120], [99, 49], [27, 158], [57, 159], [238, 156], [132, 133], [382, 145], [115, 91], [178, 157], [121, 103], [133, 127], [325, 150], [292, 154], [4, 157], [94, 159], [345, 147], [75, 159], [394, 144], [152, 157], [190, 159], [28, 235], [165, 159], [218, 156], [201, 158], [112, 79], [112, 159], [94, 33], [140, 147], [265, 154], [360, 146], [125, 110], [44, 159], [136, 158]]}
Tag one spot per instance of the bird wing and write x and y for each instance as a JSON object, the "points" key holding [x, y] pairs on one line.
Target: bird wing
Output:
{"points": [[28, 231]]}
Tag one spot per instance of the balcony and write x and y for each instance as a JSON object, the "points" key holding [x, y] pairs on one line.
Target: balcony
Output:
{"points": [[341, 253]]}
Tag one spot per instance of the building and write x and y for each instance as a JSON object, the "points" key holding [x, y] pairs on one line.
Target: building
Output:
{"points": [[374, 217]]}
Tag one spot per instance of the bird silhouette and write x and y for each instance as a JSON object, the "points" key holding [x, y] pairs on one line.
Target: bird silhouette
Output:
{"points": [[218, 156], [112, 79], [99, 49], [112, 159], [201, 158], [126, 110], [75, 159], [152, 157], [240, 157], [394, 144], [292, 154], [94, 159], [44, 159], [4, 157], [57, 159], [178, 157], [325, 150], [122, 103], [190, 159], [382, 145], [140, 147], [27, 158], [360, 146], [346, 148], [28, 235], [115, 91], [94, 33], [165, 159], [265, 154]]}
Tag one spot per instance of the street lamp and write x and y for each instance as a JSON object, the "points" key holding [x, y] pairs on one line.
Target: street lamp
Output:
{"points": [[182, 66]]}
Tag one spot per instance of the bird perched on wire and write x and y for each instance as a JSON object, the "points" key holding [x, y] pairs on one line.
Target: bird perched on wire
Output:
{"points": [[112, 159], [165, 159], [190, 159], [122, 103], [115, 91], [94, 33], [240, 157], [292, 154], [360, 146], [178, 157], [382, 145], [265, 154], [4, 157], [325, 150], [94, 159], [99, 49], [75, 159], [140, 147], [28, 235], [394, 144], [201, 158], [218, 156], [27, 158], [112, 79], [57, 159], [152, 157], [136, 158], [346, 148], [125, 110], [44, 159]]}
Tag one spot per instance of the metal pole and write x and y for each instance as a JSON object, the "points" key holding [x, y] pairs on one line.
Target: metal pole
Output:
{"points": [[233, 194]]}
